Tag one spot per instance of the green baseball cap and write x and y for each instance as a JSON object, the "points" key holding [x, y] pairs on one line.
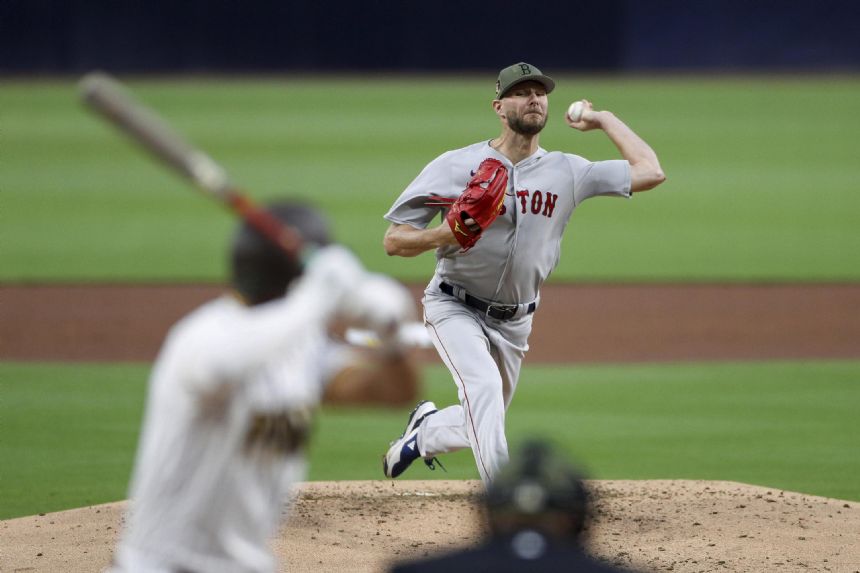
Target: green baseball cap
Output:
{"points": [[518, 73]]}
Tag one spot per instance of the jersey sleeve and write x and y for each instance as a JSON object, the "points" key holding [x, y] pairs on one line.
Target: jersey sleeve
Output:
{"points": [[410, 208], [337, 357], [225, 347], [311, 364], [611, 178], [224, 350]]}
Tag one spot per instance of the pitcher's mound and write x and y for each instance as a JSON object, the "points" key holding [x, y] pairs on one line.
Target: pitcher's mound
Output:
{"points": [[679, 526]]}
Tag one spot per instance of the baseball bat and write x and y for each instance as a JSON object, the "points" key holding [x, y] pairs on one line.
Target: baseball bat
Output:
{"points": [[107, 97]]}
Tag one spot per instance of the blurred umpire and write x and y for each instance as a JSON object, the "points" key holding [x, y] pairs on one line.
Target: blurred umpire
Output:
{"points": [[232, 394], [537, 507]]}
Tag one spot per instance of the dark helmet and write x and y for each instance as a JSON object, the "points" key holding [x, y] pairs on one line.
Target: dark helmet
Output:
{"points": [[261, 271], [538, 489]]}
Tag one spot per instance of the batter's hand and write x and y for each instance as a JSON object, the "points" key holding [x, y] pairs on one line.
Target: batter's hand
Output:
{"points": [[334, 267], [590, 119], [380, 304]]}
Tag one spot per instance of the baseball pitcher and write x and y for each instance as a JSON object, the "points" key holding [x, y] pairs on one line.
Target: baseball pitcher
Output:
{"points": [[505, 204]]}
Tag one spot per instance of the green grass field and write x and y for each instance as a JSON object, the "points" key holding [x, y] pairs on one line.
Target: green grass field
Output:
{"points": [[69, 431], [763, 186], [759, 188]]}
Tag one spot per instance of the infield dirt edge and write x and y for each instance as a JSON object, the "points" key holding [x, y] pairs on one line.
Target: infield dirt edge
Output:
{"points": [[364, 526]]}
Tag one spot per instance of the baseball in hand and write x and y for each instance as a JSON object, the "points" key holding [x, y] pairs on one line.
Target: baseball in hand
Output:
{"points": [[575, 110]]}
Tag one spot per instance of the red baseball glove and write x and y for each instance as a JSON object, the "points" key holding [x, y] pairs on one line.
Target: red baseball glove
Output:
{"points": [[479, 205]]}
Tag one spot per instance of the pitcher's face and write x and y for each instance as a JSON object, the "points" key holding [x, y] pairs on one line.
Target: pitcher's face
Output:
{"points": [[524, 107]]}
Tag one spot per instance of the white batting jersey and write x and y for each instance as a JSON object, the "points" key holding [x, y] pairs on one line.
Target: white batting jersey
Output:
{"points": [[228, 413], [520, 249]]}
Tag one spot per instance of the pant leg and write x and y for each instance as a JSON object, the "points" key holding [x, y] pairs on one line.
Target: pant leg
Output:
{"points": [[508, 341], [479, 421]]}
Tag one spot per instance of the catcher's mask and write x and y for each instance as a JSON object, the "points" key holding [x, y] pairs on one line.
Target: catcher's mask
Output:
{"points": [[538, 489], [261, 271]]}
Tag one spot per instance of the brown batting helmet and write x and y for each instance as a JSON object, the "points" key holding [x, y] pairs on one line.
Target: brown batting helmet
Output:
{"points": [[262, 271]]}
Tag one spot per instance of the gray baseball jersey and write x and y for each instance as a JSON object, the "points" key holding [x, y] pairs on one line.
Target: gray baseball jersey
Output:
{"points": [[520, 249], [507, 265]]}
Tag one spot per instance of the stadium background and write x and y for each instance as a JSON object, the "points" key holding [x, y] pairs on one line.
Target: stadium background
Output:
{"points": [[754, 108]]}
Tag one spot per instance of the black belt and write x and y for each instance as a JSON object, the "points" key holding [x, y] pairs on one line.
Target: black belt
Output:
{"points": [[497, 311]]}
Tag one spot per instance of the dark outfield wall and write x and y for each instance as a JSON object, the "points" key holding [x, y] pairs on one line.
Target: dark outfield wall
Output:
{"points": [[50, 36]]}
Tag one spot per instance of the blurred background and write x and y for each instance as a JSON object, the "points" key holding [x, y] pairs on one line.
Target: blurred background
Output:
{"points": [[753, 106], [679, 316], [73, 36]]}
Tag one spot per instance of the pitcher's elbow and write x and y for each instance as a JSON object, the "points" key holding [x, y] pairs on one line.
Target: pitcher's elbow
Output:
{"points": [[653, 179]]}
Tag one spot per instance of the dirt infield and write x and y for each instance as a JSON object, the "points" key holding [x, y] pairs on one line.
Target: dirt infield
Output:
{"points": [[575, 323], [358, 527], [679, 526]]}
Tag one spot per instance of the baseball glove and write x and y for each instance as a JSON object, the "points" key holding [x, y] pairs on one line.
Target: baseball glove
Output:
{"points": [[479, 205]]}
